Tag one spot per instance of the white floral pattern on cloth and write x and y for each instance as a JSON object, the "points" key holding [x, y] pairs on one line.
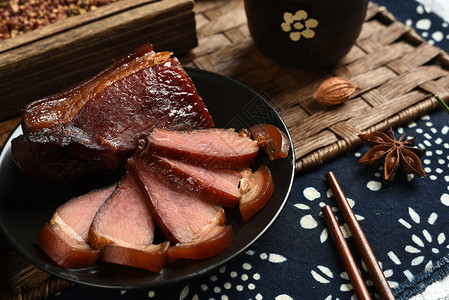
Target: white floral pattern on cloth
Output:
{"points": [[422, 238], [309, 220], [425, 246], [325, 275], [435, 32], [241, 279], [298, 24]]}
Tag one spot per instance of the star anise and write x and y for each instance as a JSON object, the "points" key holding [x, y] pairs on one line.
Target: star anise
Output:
{"points": [[391, 152]]}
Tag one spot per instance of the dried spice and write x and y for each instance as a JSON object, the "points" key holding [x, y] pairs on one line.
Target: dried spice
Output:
{"points": [[390, 152], [20, 16]]}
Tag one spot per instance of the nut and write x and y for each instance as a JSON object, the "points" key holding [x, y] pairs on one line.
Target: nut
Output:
{"points": [[333, 91]]}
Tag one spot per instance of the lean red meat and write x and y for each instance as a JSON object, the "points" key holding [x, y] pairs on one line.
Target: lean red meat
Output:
{"points": [[123, 229]]}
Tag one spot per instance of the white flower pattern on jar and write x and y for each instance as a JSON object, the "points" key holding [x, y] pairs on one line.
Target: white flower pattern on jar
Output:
{"points": [[298, 25]]}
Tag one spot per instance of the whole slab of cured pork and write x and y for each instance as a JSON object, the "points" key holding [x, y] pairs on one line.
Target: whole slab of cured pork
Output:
{"points": [[94, 127]]}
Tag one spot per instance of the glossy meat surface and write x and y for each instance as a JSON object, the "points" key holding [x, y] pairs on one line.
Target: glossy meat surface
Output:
{"points": [[131, 107], [213, 148], [62, 107], [273, 140], [95, 126]]}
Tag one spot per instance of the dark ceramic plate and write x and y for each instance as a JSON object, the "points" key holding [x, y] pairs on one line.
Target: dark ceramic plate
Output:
{"points": [[26, 203]]}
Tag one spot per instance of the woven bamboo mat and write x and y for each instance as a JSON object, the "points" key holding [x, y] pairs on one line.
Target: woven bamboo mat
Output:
{"points": [[396, 71]]}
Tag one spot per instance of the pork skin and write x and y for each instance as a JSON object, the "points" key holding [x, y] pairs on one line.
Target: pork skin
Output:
{"points": [[271, 139], [150, 257], [64, 250], [211, 241], [257, 189]]}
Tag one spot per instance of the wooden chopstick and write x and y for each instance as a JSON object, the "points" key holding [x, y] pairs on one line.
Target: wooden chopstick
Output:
{"points": [[343, 249], [378, 277]]}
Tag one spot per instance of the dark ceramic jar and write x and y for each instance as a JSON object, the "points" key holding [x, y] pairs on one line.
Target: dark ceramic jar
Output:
{"points": [[305, 33]]}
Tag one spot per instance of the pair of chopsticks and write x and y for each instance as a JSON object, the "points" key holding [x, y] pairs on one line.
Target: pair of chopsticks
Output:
{"points": [[380, 282]]}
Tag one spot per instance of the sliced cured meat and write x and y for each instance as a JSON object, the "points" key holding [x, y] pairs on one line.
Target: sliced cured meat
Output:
{"points": [[212, 240], [257, 189], [212, 148], [182, 216], [217, 185], [94, 127], [77, 214], [124, 218], [64, 238], [123, 229]]}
